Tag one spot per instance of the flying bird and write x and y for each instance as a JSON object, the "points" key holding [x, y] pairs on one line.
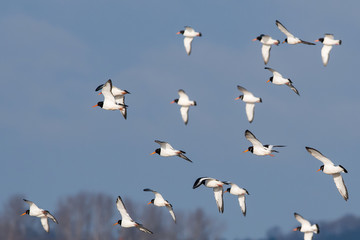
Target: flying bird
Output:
{"points": [[266, 41], [240, 192], [40, 213], [119, 96], [109, 102], [189, 34], [166, 150], [217, 186], [330, 169], [278, 79], [185, 104], [291, 39], [257, 147], [126, 221], [328, 41], [159, 201], [306, 227], [250, 101]]}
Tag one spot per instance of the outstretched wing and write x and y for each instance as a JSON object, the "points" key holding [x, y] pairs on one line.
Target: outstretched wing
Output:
{"points": [[187, 44], [200, 181], [185, 114], [250, 109], [315, 153], [325, 53], [142, 228], [164, 145], [302, 221], [283, 29], [274, 72], [45, 223], [171, 211], [251, 138], [242, 204], [183, 95], [265, 50], [244, 90], [218, 194], [121, 207], [339, 182]]}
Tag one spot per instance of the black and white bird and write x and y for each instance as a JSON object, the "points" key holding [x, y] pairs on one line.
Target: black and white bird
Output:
{"points": [[40, 213], [217, 186], [109, 102], [240, 192], [306, 227], [328, 42], [257, 147], [126, 221], [330, 169], [166, 150], [159, 201], [278, 79], [267, 42], [185, 104], [189, 34], [119, 96], [250, 101], [291, 39]]}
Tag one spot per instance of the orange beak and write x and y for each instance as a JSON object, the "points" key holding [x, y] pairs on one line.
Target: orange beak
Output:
{"points": [[95, 105], [295, 229], [284, 41], [237, 98], [246, 151], [317, 40], [23, 214], [178, 33], [115, 224], [172, 102], [272, 155], [254, 39], [100, 93], [149, 203], [319, 169], [268, 81], [226, 191], [152, 153]]}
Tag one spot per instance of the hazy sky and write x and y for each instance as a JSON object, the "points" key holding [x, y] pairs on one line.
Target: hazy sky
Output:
{"points": [[55, 53]]}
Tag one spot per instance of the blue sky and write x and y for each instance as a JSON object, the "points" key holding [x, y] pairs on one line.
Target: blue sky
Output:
{"points": [[54, 54]]}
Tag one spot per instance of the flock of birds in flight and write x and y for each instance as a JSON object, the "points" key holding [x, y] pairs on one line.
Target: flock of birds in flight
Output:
{"points": [[114, 99]]}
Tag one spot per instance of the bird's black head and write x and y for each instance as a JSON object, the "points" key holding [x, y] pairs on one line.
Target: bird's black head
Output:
{"points": [[320, 40], [260, 37], [321, 168], [175, 101], [119, 222], [181, 32], [157, 151], [228, 190], [240, 97], [251, 149], [99, 104], [270, 79], [27, 212], [297, 229], [285, 41]]}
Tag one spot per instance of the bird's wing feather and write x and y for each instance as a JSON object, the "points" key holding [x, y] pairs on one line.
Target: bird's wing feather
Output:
{"points": [[106, 91], [187, 44], [142, 228], [339, 182], [199, 181], [185, 114], [283, 29], [164, 145], [218, 194], [315, 153], [325, 53], [244, 90], [169, 207], [121, 207], [33, 207], [251, 138], [45, 223], [52, 218], [308, 235], [250, 107], [303, 221], [183, 95], [265, 50], [242, 204]]}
